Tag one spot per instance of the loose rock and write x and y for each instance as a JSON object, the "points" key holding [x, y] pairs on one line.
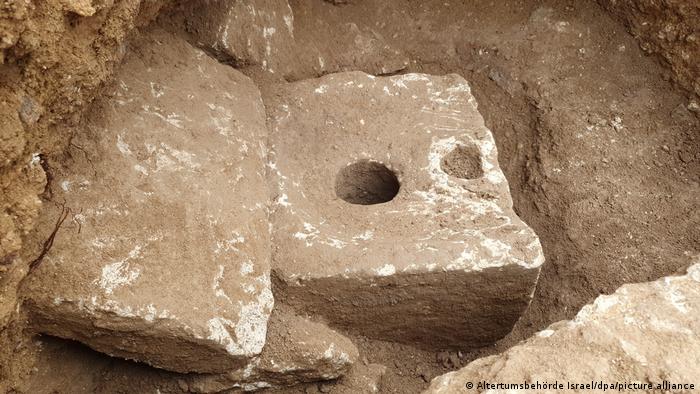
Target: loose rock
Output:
{"points": [[164, 256], [251, 32], [297, 351]]}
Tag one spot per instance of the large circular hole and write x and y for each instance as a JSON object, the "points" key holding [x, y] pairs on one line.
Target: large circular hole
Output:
{"points": [[463, 162], [366, 182]]}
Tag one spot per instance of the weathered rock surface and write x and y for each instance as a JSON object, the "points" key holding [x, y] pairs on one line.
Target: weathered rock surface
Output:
{"points": [[392, 217], [47, 75], [164, 257], [251, 32], [332, 44], [53, 62], [297, 351], [261, 33], [644, 333]]}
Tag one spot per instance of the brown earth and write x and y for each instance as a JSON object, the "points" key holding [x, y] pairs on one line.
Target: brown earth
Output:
{"points": [[597, 139], [668, 28]]}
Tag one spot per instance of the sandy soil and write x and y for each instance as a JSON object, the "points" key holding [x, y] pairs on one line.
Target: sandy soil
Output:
{"points": [[599, 146]]}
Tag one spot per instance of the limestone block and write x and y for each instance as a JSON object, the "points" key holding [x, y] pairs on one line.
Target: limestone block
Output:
{"points": [[297, 351], [391, 215], [261, 33], [164, 256], [643, 333], [251, 32]]}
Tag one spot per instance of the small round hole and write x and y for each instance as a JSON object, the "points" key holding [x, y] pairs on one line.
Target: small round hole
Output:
{"points": [[463, 162], [366, 182]]}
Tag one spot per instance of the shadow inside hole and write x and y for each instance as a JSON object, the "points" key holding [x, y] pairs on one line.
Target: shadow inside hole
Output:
{"points": [[366, 182]]}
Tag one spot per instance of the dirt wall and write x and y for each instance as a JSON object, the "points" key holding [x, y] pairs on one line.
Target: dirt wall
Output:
{"points": [[668, 28]]}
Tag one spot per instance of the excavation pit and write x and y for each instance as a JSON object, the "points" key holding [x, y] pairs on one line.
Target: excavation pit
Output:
{"points": [[366, 182]]}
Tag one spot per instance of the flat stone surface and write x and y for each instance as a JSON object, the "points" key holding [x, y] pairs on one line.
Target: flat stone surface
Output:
{"points": [[164, 257], [297, 351], [643, 333], [381, 269]]}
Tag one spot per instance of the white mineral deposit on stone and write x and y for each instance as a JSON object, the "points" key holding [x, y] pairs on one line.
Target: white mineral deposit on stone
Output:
{"points": [[120, 273]]}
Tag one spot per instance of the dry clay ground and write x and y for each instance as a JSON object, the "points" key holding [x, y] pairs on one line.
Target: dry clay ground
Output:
{"points": [[600, 149]]}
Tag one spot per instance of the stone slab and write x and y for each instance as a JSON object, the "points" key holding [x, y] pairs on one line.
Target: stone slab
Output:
{"points": [[643, 333], [362, 379], [297, 351], [164, 257], [444, 263], [250, 32], [261, 33]]}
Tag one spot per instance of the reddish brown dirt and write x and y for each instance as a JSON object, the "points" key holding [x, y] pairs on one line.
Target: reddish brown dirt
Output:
{"points": [[599, 147]]}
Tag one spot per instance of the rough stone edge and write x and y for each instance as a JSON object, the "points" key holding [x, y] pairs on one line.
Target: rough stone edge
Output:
{"points": [[451, 383]]}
